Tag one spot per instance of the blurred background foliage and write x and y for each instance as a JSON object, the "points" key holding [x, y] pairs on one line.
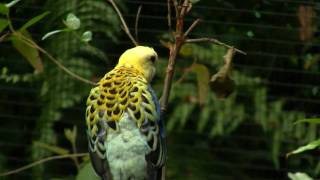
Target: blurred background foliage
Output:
{"points": [[245, 136]]}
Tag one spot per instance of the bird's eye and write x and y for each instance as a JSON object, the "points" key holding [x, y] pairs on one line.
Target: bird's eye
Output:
{"points": [[153, 58]]}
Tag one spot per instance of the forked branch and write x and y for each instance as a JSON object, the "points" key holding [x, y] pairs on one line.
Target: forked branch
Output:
{"points": [[182, 8]]}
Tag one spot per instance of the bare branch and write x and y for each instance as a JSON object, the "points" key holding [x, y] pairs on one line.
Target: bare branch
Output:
{"points": [[212, 40], [137, 22], [61, 66], [42, 161], [169, 14], [184, 8], [125, 27], [175, 4], [193, 25], [174, 50], [229, 56]]}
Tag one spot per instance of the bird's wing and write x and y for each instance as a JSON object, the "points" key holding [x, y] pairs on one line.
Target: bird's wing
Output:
{"points": [[123, 91], [96, 133], [158, 156]]}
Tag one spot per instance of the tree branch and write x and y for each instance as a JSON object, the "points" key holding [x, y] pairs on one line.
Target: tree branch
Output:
{"points": [[169, 14], [4, 36], [42, 161], [137, 22], [125, 27], [174, 50], [59, 64], [193, 25], [212, 40]]}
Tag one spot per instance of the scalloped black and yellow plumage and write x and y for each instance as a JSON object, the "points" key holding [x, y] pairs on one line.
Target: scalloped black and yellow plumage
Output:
{"points": [[123, 115]]}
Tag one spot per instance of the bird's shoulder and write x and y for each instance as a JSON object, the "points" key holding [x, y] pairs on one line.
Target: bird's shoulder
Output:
{"points": [[122, 90]]}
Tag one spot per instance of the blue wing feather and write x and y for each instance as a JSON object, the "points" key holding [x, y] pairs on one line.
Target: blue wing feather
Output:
{"points": [[158, 109]]}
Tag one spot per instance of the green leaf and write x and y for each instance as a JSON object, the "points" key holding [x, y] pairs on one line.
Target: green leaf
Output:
{"points": [[312, 145], [72, 22], [311, 120], [299, 176], [250, 34], [4, 70], [30, 53], [86, 36], [3, 24], [276, 148], [71, 135], [12, 3], [186, 50], [15, 78], [34, 20], [54, 149], [257, 14], [203, 81], [4, 9], [52, 33], [87, 172]]}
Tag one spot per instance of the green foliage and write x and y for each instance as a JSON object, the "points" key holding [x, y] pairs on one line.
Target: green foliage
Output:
{"points": [[312, 145], [12, 3], [18, 37], [203, 81], [87, 172], [59, 90], [30, 53], [15, 78], [86, 36], [299, 176], [218, 118], [3, 24], [72, 24], [33, 21], [4, 10], [193, 107], [310, 120]]}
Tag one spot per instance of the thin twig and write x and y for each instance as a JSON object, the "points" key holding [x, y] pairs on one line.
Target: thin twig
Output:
{"points": [[74, 149], [184, 8], [175, 5], [61, 66], [125, 27], [174, 50], [137, 22], [4, 36], [169, 14], [42, 161], [193, 25], [212, 40]]}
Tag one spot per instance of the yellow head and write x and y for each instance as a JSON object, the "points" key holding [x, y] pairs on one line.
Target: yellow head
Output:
{"points": [[142, 58]]}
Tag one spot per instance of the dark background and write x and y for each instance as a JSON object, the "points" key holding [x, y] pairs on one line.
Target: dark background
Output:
{"points": [[245, 136]]}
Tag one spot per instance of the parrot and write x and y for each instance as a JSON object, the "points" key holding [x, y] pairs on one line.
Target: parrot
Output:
{"points": [[125, 131]]}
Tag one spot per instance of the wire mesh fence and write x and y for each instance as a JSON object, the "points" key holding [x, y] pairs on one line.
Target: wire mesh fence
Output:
{"points": [[268, 31]]}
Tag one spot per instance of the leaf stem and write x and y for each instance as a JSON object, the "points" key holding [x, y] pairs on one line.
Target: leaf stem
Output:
{"points": [[15, 171]]}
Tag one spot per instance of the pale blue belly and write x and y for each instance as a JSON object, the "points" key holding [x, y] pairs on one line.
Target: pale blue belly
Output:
{"points": [[126, 150]]}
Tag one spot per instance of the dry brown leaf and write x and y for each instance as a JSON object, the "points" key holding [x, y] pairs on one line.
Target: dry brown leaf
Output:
{"points": [[305, 16]]}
